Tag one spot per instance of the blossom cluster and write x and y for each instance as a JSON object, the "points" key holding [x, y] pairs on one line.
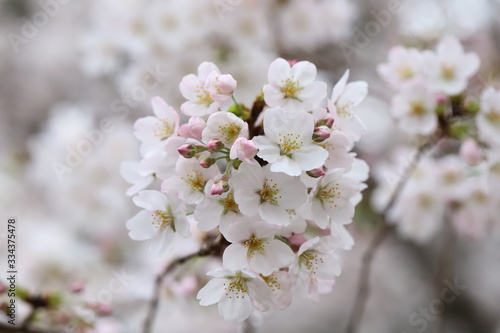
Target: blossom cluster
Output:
{"points": [[457, 181], [277, 181]]}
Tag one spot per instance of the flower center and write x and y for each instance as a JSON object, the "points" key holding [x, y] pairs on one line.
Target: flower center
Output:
{"points": [[229, 204], [271, 281], [164, 130], [229, 132], [289, 142], [493, 117], [417, 109], [236, 286], [269, 192], [255, 244], [328, 194], [291, 88], [448, 72], [311, 260], [203, 97], [163, 219], [195, 180], [345, 110], [405, 71]]}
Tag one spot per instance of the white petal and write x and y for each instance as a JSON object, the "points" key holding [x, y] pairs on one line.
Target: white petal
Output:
{"points": [[274, 214], [151, 200], [286, 165], [141, 226], [208, 214], [279, 254], [212, 292], [260, 264], [279, 70], [235, 309], [162, 243], [310, 157], [235, 257]]}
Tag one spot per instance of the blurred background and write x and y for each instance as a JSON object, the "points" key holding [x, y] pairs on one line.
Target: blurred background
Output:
{"points": [[68, 66]]}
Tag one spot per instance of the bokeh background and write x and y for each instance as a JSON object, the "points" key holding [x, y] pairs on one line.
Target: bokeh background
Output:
{"points": [[65, 65]]}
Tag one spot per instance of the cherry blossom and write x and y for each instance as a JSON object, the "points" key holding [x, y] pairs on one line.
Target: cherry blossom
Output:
{"points": [[236, 292], [254, 247], [293, 87], [345, 97], [260, 191], [449, 68], [152, 131], [488, 119], [287, 144], [162, 217]]}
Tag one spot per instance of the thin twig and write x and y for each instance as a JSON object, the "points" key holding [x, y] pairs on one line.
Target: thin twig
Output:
{"points": [[363, 285], [211, 247]]}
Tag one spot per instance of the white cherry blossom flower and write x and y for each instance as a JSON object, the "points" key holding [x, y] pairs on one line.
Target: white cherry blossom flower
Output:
{"points": [[194, 89], [404, 67], [287, 144], [217, 210], [317, 258], [237, 294], [270, 194], [331, 198], [293, 87], [280, 284], [254, 247], [153, 131], [415, 109], [190, 180], [226, 127], [163, 216], [449, 68], [345, 97], [488, 119]]}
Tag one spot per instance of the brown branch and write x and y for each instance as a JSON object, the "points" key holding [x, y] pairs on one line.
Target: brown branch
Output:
{"points": [[211, 247], [363, 290]]}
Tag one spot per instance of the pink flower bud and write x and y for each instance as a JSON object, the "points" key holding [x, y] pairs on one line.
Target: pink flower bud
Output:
{"points": [[297, 240], [184, 131], [316, 173], [215, 145], [196, 125], [219, 187], [226, 84], [244, 150], [327, 121], [441, 98], [188, 150], [220, 87], [76, 287], [207, 162], [471, 153], [321, 133], [104, 309], [293, 62]]}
